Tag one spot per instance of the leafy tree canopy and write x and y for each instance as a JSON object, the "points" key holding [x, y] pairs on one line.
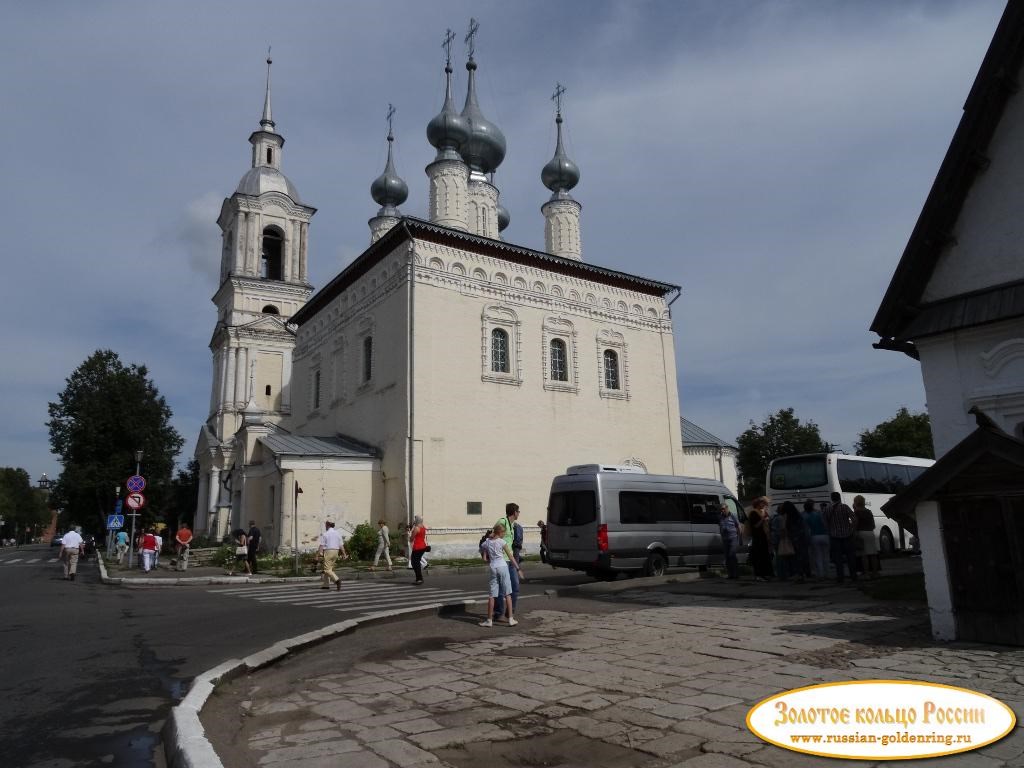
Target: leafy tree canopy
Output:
{"points": [[781, 434], [106, 412], [905, 434], [21, 505]]}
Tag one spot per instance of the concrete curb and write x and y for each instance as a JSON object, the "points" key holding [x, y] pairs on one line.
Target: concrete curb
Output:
{"points": [[184, 738]]}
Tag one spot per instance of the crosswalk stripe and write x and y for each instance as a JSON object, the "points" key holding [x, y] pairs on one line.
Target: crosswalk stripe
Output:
{"points": [[358, 597]]}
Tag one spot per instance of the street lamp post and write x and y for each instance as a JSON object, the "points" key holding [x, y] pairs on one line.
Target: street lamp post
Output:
{"points": [[110, 532], [295, 525], [135, 513]]}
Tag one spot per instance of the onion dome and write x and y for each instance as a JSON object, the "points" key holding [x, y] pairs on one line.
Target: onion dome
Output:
{"points": [[485, 149], [560, 174], [388, 189], [503, 217], [448, 131]]}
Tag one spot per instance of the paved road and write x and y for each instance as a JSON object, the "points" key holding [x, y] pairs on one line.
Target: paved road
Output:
{"points": [[91, 670], [658, 675]]}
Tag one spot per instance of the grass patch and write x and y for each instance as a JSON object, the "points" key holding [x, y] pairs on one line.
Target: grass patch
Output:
{"points": [[904, 586]]}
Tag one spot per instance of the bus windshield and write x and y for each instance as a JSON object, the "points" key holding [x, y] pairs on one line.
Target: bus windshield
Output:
{"points": [[799, 473]]}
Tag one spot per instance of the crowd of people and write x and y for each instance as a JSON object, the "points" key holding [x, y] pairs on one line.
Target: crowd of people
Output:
{"points": [[823, 541]]}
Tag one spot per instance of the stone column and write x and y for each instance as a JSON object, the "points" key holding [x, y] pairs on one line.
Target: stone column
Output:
{"points": [[213, 496], [228, 401], [482, 216], [286, 381], [296, 237], [304, 235], [240, 377], [239, 245], [222, 381], [288, 510]]}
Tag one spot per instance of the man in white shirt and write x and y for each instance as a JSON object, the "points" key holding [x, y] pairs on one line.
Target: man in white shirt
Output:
{"points": [[71, 545], [331, 544], [159, 546]]}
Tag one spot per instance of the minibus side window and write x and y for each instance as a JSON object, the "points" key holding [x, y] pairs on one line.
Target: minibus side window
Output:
{"points": [[635, 508], [703, 508]]}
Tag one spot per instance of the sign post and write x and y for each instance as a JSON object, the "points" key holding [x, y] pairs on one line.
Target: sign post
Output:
{"points": [[134, 501]]}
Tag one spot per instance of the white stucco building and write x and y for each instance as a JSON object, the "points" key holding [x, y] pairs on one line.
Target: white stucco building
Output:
{"points": [[705, 455], [443, 372], [956, 303]]}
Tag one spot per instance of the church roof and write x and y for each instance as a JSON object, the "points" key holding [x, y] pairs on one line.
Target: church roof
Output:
{"points": [[411, 228], [262, 179], [339, 446], [903, 315], [694, 435]]}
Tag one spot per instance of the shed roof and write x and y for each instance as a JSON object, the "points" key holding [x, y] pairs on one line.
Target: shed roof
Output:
{"points": [[337, 446], [694, 435]]}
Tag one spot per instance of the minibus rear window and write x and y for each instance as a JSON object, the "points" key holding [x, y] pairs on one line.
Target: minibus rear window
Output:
{"points": [[572, 508]]}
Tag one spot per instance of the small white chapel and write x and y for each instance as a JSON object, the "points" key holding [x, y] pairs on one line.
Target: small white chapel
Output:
{"points": [[443, 372]]}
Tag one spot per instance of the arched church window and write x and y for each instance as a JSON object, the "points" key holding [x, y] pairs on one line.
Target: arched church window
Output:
{"points": [[611, 369], [499, 350], [270, 156], [270, 309], [268, 390], [367, 358], [270, 257], [559, 366]]}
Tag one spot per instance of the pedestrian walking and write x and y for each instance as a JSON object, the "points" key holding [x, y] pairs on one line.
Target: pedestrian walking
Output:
{"points": [[760, 546], [498, 554], [868, 548], [729, 527], [183, 539], [253, 539], [508, 523], [71, 546], [121, 546], [383, 545], [819, 540], [147, 549], [842, 527], [543, 540], [159, 547], [419, 546], [241, 552], [332, 545]]}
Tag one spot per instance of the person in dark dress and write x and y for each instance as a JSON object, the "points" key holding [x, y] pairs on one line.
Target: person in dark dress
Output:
{"points": [[760, 546]]}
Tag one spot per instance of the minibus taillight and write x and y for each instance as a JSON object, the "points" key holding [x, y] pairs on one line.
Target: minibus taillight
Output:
{"points": [[602, 538]]}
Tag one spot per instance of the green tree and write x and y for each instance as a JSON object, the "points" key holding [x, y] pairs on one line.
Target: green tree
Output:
{"points": [[184, 494], [21, 505], [781, 434], [905, 434], [106, 412]]}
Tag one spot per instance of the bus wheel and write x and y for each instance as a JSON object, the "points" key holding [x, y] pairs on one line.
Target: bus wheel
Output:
{"points": [[886, 544], [655, 565]]}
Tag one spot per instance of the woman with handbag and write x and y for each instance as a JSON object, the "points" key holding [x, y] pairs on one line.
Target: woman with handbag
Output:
{"points": [[418, 543], [241, 551]]}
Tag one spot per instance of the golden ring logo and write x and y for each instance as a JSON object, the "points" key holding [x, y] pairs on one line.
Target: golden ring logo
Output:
{"points": [[880, 720]]}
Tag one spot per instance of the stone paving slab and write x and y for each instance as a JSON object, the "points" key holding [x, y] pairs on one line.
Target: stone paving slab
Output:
{"points": [[651, 681]]}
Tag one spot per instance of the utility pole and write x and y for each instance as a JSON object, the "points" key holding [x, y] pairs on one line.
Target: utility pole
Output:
{"points": [[295, 522]]}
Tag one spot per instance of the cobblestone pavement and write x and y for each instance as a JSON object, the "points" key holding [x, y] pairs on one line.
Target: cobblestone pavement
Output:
{"points": [[654, 678]]}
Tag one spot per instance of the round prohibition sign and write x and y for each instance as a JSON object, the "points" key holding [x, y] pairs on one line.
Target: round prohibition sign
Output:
{"points": [[135, 501], [136, 483]]}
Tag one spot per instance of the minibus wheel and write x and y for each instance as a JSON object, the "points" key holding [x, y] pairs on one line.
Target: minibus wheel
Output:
{"points": [[655, 564], [886, 543]]}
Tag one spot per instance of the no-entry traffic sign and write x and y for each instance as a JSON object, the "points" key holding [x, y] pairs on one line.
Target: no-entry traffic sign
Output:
{"points": [[135, 501]]}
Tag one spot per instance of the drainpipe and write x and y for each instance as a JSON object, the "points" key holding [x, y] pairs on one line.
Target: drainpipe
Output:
{"points": [[668, 395], [410, 381]]}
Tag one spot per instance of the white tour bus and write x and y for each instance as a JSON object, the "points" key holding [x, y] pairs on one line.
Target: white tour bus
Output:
{"points": [[816, 475]]}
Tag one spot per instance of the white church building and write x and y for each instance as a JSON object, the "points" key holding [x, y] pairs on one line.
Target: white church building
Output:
{"points": [[443, 372]]}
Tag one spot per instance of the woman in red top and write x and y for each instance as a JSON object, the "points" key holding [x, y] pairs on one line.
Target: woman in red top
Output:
{"points": [[419, 546], [148, 550]]}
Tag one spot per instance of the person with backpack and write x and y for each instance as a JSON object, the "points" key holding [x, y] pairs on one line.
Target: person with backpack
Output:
{"points": [[508, 523], [494, 548]]}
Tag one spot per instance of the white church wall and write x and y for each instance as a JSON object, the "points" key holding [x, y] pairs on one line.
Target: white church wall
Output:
{"points": [[493, 438], [981, 366], [710, 461]]}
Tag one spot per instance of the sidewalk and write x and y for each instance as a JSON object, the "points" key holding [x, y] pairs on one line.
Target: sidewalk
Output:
{"points": [[652, 672]]}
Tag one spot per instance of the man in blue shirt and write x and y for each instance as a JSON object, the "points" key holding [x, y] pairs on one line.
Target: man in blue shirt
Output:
{"points": [[730, 529]]}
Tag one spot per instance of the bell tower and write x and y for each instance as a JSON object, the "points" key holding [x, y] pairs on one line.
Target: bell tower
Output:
{"points": [[263, 282], [264, 235]]}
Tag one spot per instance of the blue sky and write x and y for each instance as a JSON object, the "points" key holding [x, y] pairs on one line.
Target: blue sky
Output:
{"points": [[770, 157]]}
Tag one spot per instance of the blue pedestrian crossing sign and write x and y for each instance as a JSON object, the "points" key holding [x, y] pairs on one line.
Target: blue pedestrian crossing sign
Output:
{"points": [[114, 522]]}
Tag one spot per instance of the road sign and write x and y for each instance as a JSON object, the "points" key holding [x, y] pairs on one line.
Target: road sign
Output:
{"points": [[136, 483], [115, 522], [135, 501]]}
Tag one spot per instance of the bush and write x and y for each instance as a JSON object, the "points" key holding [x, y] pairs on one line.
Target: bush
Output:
{"points": [[362, 544]]}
